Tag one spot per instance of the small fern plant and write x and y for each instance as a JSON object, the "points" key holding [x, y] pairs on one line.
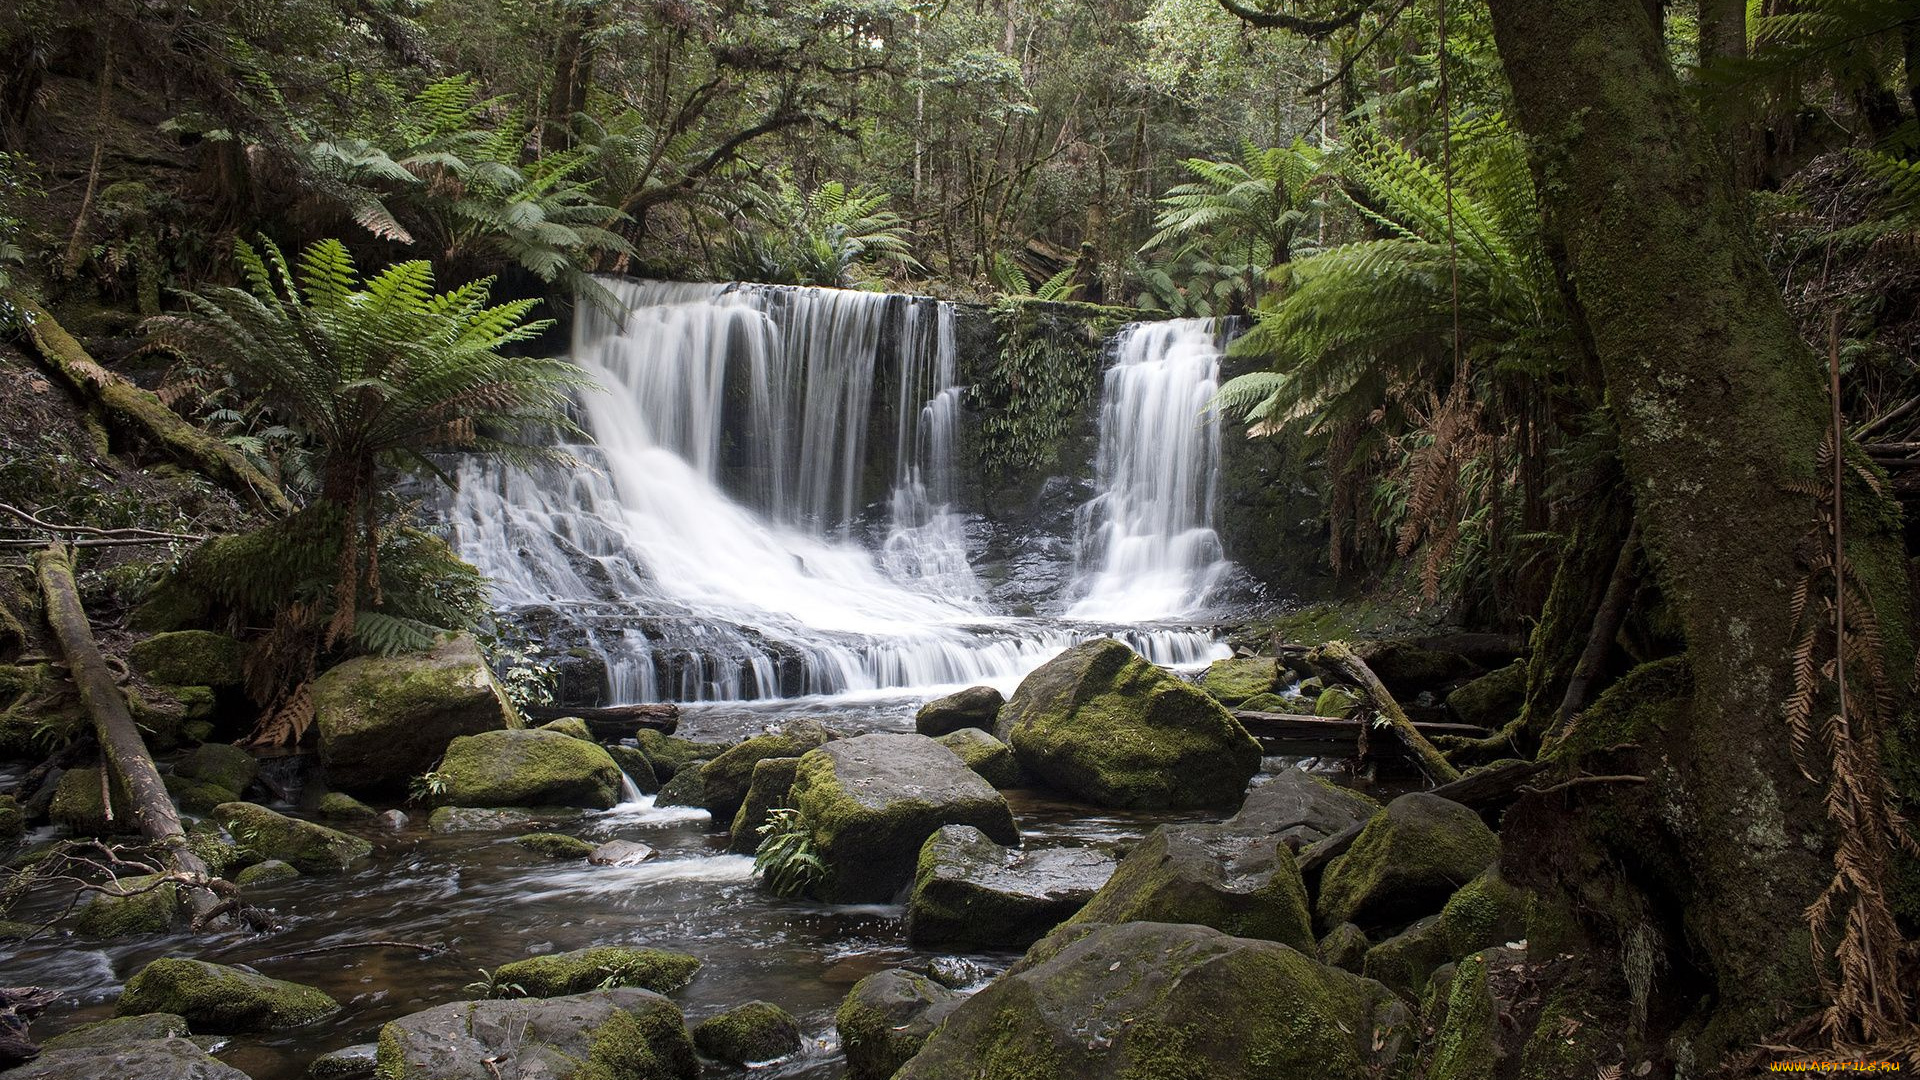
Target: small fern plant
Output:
{"points": [[787, 862]]}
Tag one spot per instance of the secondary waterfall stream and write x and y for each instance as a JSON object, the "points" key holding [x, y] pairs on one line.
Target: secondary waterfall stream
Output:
{"points": [[737, 530]]}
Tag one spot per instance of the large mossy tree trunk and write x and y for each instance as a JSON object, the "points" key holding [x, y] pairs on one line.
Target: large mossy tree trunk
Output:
{"points": [[1721, 411]]}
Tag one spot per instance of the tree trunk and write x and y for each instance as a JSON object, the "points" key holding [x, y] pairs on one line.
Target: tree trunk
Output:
{"points": [[1721, 412]]}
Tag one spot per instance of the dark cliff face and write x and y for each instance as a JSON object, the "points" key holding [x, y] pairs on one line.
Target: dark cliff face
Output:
{"points": [[1269, 514]]}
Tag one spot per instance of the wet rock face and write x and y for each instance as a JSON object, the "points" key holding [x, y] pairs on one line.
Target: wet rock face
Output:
{"points": [[1406, 863], [383, 720], [144, 1059], [726, 778], [1107, 1002], [971, 892], [628, 1033], [986, 755], [974, 707], [529, 768], [770, 789], [308, 848], [872, 801], [1104, 725], [886, 1020], [217, 999]]}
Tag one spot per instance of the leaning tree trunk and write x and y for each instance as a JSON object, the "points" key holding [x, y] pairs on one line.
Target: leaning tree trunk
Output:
{"points": [[1721, 411]]}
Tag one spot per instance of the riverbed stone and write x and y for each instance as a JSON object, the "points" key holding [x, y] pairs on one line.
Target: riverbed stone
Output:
{"points": [[870, 803], [310, 848], [971, 892], [726, 778], [1107, 1002], [974, 707], [621, 853], [458, 819], [121, 1029], [1239, 882], [668, 753], [1336, 703], [1298, 808], [340, 806], [887, 1019], [771, 789], [1233, 681], [1407, 666], [357, 1062], [986, 755], [577, 972], [1406, 863], [687, 788], [1492, 700], [190, 658], [1345, 947], [749, 1034], [515, 767], [146, 904], [633, 761], [624, 1033], [79, 807], [555, 845], [266, 873], [220, 765], [145, 1059], [382, 720], [1103, 724], [221, 1000]]}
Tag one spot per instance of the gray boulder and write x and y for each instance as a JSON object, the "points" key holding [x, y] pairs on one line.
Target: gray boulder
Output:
{"points": [[975, 707], [627, 1033], [969, 891], [382, 720], [887, 1019], [146, 1059], [725, 779], [986, 755], [1406, 863], [771, 789]]}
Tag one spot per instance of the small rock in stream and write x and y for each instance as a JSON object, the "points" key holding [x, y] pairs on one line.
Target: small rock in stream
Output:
{"points": [[621, 853], [352, 1063], [394, 819]]}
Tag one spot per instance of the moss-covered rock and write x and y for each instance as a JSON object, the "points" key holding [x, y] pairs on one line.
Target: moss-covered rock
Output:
{"points": [[1242, 883], [13, 823], [1467, 1045], [571, 726], [190, 658], [624, 1033], [969, 891], [458, 819], [886, 1020], [310, 848], [687, 788], [340, 806], [1144, 999], [1270, 703], [381, 720], [121, 1029], [771, 789], [221, 1000], [871, 802], [220, 765], [582, 970], [142, 1059], [1485, 913], [1336, 703], [1492, 700], [1232, 681], [198, 797], [38, 710], [528, 768], [749, 1034], [555, 845], [1408, 860], [634, 763], [986, 755], [208, 840], [1408, 666], [1103, 724], [80, 807], [148, 904], [1345, 947], [974, 707], [266, 873], [726, 778], [357, 1062], [668, 753]]}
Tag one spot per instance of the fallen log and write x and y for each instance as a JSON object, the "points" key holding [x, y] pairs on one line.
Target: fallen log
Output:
{"points": [[1336, 656], [1313, 734], [1482, 789], [609, 722]]}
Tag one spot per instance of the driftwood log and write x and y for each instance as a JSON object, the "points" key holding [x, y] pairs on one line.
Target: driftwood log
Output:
{"points": [[1482, 789], [614, 720], [1272, 727], [1336, 656]]}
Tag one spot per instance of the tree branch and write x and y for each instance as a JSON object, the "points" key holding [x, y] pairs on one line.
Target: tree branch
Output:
{"points": [[1316, 28]]}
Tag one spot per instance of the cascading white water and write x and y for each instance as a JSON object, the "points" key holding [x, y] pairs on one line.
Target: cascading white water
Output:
{"points": [[708, 551], [1146, 548]]}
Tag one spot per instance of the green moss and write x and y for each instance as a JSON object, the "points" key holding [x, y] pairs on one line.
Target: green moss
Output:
{"points": [[220, 765], [310, 848], [340, 806], [170, 604], [1493, 700], [1345, 947], [886, 1019], [220, 855], [1336, 702], [1406, 862], [528, 768], [1466, 1045], [1173, 879], [669, 754], [13, 823], [756, 1032], [771, 789], [638, 769], [222, 1000], [79, 807], [197, 797], [571, 726], [190, 658], [121, 1029], [592, 969], [555, 845], [986, 755], [1234, 680], [649, 1045], [1652, 698], [137, 905], [266, 873], [726, 778], [687, 788]]}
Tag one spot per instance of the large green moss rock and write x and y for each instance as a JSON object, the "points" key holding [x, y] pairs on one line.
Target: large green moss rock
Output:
{"points": [[13, 822], [147, 904], [1102, 724], [190, 658], [1492, 700], [582, 970], [1336, 703], [1236, 679], [382, 720], [668, 753], [887, 1019], [633, 761], [871, 802], [571, 726], [120, 1030], [726, 778], [986, 755], [266, 873], [309, 848], [340, 806], [749, 1034], [1485, 913], [555, 845], [619, 1034], [221, 1000], [1163, 1000], [197, 797], [974, 707], [220, 765], [687, 788], [1241, 883], [1345, 947], [528, 768], [771, 789], [145, 1059], [1409, 666], [79, 806], [1468, 1043], [1408, 860], [971, 892]]}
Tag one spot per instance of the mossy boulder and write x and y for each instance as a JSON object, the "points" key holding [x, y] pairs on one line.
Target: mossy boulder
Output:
{"points": [[357, 1062], [121, 1029], [198, 796], [749, 1034], [528, 768], [555, 845], [870, 803], [1102, 724], [687, 788], [1270, 703], [80, 806], [1233, 681], [1243, 883], [310, 848], [1336, 703], [971, 892], [571, 726], [1485, 913], [1345, 947], [668, 753], [974, 707], [634, 763], [142, 1059], [13, 822], [1406, 863], [266, 873], [221, 1000], [770, 789], [1492, 700], [382, 720], [1298, 808], [147, 904], [986, 755], [887, 1018], [220, 765], [458, 819], [340, 806], [725, 779], [1468, 1043], [582, 970], [208, 840], [1409, 665], [190, 658], [1136, 1000], [624, 1033]]}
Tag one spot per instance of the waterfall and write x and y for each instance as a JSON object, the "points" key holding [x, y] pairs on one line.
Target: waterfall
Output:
{"points": [[709, 546], [1145, 546]]}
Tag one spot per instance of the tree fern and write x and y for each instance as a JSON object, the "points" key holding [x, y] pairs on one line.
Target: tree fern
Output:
{"points": [[1248, 213]]}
